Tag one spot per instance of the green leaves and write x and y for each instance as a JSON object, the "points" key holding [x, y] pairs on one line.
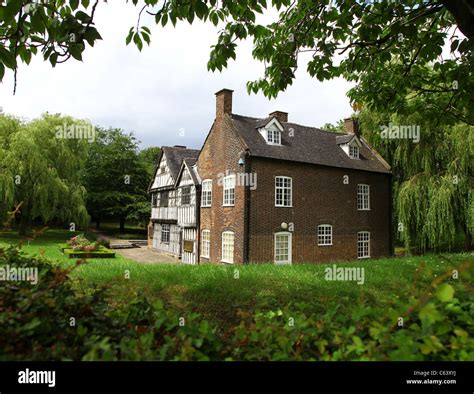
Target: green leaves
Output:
{"points": [[7, 58], [138, 37], [59, 30], [429, 314], [444, 292], [91, 35]]}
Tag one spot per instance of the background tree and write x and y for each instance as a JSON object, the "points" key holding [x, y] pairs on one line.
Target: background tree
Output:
{"points": [[433, 178], [149, 156], [115, 177], [41, 170], [337, 128], [383, 46]]}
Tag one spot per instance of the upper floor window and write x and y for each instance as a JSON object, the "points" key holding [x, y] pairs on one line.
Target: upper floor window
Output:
{"points": [[274, 136], [271, 132], [165, 233], [164, 199], [283, 191], [154, 199], [363, 197], [353, 151], [229, 190], [186, 195], [363, 244], [228, 247], [206, 243], [206, 196], [324, 234]]}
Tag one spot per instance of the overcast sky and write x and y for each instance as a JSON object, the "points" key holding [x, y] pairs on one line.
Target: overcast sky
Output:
{"points": [[164, 95]]}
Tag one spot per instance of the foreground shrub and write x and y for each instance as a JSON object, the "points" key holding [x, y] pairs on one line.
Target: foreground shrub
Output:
{"points": [[436, 331], [54, 320]]}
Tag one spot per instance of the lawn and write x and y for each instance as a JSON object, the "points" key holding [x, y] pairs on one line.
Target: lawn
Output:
{"points": [[220, 292]]}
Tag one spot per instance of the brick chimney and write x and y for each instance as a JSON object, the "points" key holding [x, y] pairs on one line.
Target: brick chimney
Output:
{"points": [[281, 116], [223, 102], [351, 125]]}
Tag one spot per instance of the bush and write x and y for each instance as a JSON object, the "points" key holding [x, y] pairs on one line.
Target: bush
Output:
{"points": [[435, 331], [35, 321], [98, 252], [81, 243]]}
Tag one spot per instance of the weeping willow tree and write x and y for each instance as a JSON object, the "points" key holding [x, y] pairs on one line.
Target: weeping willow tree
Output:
{"points": [[40, 168], [433, 177]]}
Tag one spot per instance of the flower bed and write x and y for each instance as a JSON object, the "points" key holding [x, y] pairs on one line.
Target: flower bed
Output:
{"points": [[100, 252], [80, 247]]}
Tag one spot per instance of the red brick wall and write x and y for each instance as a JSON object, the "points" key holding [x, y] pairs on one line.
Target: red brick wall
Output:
{"points": [[221, 152], [319, 197]]}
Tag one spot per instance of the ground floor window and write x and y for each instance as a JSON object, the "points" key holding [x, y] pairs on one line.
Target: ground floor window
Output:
{"points": [[363, 244], [228, 247], [165, 233], [283, 248], [206, 243], [324, 234]]}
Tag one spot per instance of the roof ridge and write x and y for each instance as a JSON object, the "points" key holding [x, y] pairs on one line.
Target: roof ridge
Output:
{"points": [[249, 117], [342, 133]]}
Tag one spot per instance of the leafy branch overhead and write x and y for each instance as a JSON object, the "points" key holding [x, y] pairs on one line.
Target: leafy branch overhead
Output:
{"points": [[391, 49], [57, 29]]}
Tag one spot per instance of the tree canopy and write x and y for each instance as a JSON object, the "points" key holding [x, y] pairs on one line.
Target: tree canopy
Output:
{"points": [[41, 171], [433, 175], [116, 178], [389, 48]]}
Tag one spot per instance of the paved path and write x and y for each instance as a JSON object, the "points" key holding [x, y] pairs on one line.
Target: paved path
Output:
{"points": [[146, 255], [143, 254]]}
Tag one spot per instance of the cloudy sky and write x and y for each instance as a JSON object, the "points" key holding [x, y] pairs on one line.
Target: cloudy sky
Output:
{"points": [[164, 95]]}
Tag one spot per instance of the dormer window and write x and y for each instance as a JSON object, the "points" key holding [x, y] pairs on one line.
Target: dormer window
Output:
{"points": [[271, 132], [274, 137], [353, 151], [350, 144]]}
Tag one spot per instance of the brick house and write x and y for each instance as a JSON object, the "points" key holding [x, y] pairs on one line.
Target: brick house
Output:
{"points": [[275, 191]]}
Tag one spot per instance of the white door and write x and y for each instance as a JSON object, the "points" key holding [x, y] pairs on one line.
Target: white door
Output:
{"points": [[282, 247]]}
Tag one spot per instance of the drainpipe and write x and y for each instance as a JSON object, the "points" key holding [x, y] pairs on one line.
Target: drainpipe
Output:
{"points": [[248, 170]]}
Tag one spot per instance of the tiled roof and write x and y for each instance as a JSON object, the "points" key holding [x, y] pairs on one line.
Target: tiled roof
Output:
{"points": [[307, 145], [175, 155]]}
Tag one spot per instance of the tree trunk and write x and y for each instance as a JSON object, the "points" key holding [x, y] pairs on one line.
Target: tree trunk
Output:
{"points": [[122, 225], [23, 224], [467, 240], [97, 224]]}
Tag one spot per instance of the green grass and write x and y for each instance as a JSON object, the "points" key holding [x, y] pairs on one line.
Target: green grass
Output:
{"points": [[213, 290], [47, 245]]}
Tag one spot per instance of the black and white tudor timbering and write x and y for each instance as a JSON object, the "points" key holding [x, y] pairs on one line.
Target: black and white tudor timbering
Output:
{"points": [[175, 204]]}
